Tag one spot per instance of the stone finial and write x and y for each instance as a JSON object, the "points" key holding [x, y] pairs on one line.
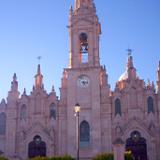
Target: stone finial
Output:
{"points": [[14, 83], [39, 69], [38, 78], [71, 9], [132, 75], [158, 72], [24, 91], [14, 77], [53, 90], [104, 67], [153, 86], [3, 103], [13, 94], [130, 59], [104, 77], [148, 84]]}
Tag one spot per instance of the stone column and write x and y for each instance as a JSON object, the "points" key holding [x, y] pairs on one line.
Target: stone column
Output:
{"points": [[118, 149]]}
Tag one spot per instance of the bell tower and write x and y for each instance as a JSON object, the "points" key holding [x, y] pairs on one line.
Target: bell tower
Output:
{"points": [[83, 82], [84, 30]]}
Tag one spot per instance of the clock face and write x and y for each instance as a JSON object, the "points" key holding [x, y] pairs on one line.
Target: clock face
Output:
{"points": [[83, 81]]}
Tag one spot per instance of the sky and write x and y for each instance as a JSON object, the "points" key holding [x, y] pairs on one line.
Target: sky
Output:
{"points": [[32, 28]]}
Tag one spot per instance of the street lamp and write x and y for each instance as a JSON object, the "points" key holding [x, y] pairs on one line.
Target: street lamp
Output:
{"points": [[77, 109]]}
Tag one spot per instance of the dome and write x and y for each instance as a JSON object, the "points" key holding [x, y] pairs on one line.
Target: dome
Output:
{"points": [[124, 76]]}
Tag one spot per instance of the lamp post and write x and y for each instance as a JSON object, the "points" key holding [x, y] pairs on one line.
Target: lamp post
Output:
{"points": [[77, 111]]}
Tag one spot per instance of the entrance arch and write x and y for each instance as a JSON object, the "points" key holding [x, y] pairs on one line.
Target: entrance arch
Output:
{"points": [[37, 147], [137, 145]]}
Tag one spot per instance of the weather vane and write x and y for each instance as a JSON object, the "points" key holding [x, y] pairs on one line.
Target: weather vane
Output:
{"points": [[39, 59]]}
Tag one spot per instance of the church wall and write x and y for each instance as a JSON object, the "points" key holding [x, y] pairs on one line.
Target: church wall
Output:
{"points": [[88, 109], [135, 117], [106, 133], [37, 122], [62, 130], [96, 100], [2, 144], [11, 127], [3, 136]]}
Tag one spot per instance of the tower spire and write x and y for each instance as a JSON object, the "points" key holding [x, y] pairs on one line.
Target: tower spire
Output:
{"points": [[14, 83], [130, 72], [130, 66], [130, 59], [38, 76], [13, 94]]}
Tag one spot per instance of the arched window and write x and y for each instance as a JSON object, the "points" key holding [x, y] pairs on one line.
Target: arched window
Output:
{"points": [[84, 47], [118, 107], [53, 111], [84, 134], [150, 105], [23, 112], [2, 123]]}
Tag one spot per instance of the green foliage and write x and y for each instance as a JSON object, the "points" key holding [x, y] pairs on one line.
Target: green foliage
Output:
{"points": [[3, 158], [104, 156], [128, 155], [62, 158], [40, 158], [52, 158], [110, 156]]}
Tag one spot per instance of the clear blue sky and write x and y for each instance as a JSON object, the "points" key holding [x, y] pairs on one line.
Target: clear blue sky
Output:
{"points": [[29, 28]]}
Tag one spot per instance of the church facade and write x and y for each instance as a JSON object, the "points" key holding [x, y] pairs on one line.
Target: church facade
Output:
{"points": [[43, 124]]}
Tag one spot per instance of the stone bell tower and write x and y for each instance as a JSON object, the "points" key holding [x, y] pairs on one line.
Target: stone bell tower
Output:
{"points": [[84, 29], [82, 82]]}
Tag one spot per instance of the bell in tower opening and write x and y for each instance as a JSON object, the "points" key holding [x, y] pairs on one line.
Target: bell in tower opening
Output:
{"points": [[83, 47]]}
